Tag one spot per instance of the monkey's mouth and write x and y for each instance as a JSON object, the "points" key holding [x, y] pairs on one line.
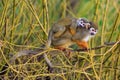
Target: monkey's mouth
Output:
{"points": [[92, 34]]}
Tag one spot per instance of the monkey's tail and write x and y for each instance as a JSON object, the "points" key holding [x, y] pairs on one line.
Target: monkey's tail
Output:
{"points": [[21, 53], [48, 44], [27, 52]]}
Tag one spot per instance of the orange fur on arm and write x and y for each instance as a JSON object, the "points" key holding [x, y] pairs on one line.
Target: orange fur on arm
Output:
{"points": [[82, 44]]}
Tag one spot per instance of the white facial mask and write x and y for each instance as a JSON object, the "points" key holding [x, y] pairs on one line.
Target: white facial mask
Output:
{"points": [[92, 31], [81, 22]]}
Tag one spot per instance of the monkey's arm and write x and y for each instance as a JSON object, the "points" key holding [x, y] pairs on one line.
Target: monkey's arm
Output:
{"points": [[82, 44], [57, 30]]}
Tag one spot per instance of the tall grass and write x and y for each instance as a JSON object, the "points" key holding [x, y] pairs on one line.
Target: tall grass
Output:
{"points": [[24, 24]]}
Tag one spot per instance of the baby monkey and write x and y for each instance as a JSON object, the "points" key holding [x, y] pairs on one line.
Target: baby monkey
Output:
{"points": [[69, 31]]}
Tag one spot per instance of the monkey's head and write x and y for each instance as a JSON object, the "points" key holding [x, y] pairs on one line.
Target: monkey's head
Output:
{"points": [[93, 28], [84, 32], [90, 26], [82, 22]]}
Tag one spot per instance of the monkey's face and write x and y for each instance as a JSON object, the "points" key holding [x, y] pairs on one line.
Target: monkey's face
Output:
{"points": [[92, 29], [86, 29], [82, 22]]}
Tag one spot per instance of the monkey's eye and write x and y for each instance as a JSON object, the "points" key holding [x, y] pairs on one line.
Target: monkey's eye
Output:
{"points": [[92, 29], [83, 24]]}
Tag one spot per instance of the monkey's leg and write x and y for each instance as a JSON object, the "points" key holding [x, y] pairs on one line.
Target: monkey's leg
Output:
{"points": [[58, 30], [63, 44], [54, 33]]}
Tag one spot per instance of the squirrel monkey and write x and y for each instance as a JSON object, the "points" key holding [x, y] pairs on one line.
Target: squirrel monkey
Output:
{"points": [[64, 33], [69, 31]]}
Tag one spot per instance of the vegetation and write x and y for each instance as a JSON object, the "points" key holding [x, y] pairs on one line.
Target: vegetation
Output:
{"points": [[24, 25]]}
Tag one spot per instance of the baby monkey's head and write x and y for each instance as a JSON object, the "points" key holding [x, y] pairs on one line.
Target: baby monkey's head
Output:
{"points": [[82, 22], [88, 25]]}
